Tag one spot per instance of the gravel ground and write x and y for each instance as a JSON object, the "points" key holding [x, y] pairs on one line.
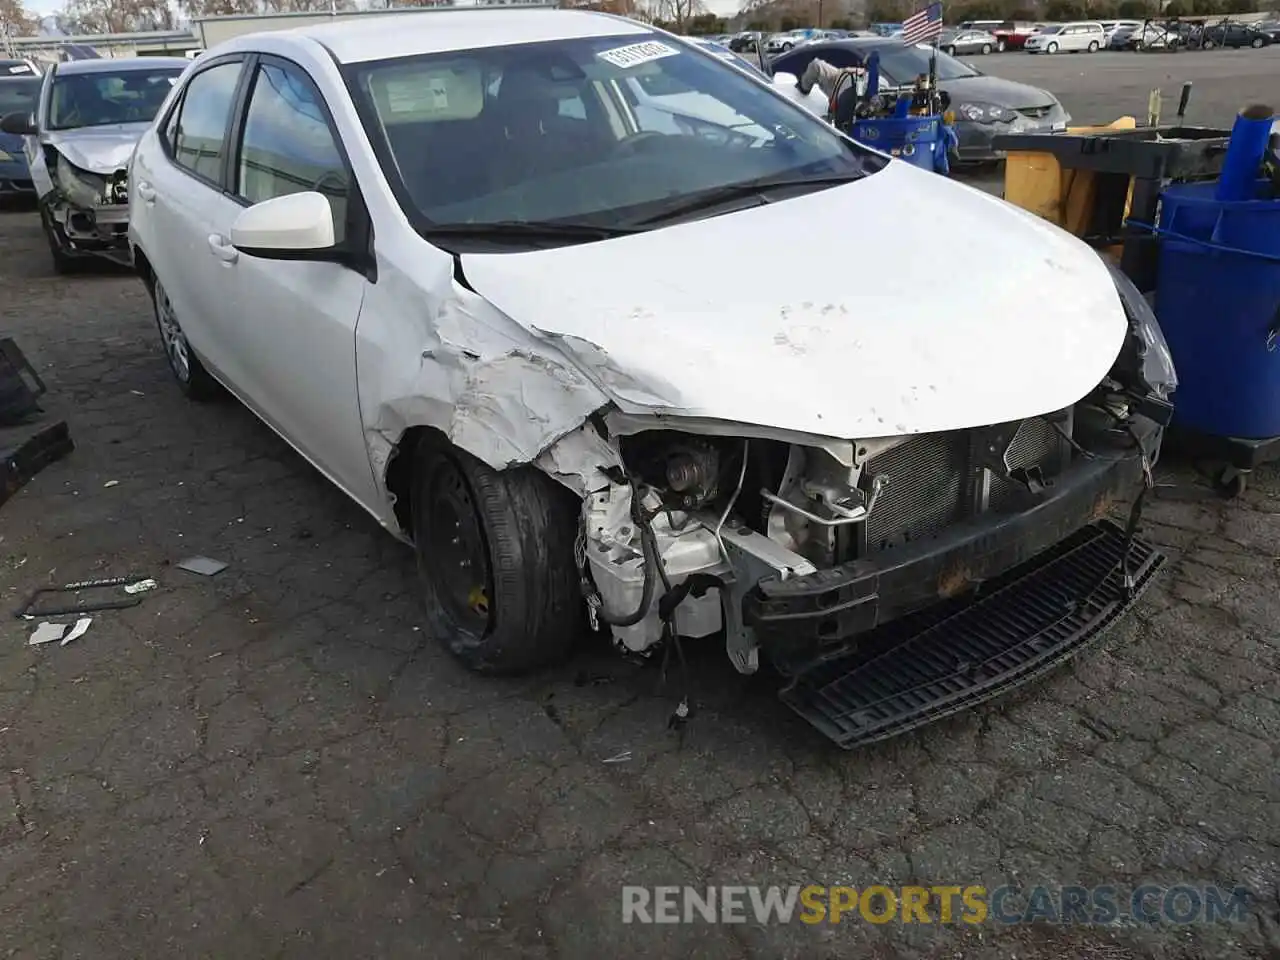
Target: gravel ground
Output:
{"points": [[275, 762]]}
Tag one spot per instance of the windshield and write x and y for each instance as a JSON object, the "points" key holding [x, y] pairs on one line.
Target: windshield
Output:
{"points": [[724, 53], [100, 99], [602, 131], [19, 96], [902, 65]]}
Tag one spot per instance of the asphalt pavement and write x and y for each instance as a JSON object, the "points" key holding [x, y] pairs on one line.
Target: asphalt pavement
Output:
{"points": [[1097, 88], [276, 762]]}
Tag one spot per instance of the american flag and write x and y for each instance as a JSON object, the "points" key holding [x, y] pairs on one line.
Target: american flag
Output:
{"points": [[925, 25]]}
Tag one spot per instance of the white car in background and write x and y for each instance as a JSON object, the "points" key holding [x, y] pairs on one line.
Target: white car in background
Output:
{"points": [[446, 257], [1080, 36], [77, 144]]}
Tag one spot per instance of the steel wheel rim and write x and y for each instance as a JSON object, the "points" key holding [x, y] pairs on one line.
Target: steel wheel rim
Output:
{"points": [[175, 341], [457, 555]]}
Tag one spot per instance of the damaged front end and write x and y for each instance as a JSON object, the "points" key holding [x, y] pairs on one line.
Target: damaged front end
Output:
{"points": [[893, 580], [88, 212]]}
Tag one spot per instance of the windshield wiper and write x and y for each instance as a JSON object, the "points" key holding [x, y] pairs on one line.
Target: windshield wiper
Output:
{"points": [[516, 231], [708, 199]]}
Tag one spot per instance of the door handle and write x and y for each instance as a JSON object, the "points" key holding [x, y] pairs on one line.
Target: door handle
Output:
{"points": [[146, 191], [221, 248]]}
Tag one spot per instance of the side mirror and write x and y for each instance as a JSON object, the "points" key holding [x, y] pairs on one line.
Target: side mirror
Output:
{"points": [[19, 124], [298, 226]]}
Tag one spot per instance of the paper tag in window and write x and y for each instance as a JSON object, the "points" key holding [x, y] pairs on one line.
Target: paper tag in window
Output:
{"points": [[420, 95], [635, 54]]}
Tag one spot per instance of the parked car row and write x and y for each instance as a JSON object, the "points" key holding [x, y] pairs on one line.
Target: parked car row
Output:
{"points": [[1090, 36]]}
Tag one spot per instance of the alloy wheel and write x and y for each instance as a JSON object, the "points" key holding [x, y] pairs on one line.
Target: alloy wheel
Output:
{"points": [[175, 341]]}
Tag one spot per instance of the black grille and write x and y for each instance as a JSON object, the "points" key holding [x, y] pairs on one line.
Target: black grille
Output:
{"points": [[1035, 113], [925, 492]]}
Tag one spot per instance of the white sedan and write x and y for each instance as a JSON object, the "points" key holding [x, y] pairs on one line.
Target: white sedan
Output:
{"points": [[578, 360]]}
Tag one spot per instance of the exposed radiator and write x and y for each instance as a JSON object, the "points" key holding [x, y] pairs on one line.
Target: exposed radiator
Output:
{"points": [[934, 481], [925, 494]]}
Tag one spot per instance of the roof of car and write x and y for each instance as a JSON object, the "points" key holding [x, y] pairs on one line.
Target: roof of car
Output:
{"points": [[387, 37], [120, 64]]}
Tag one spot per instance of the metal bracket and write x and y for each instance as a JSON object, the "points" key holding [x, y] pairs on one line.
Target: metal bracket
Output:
{"points": [[754, 557]]}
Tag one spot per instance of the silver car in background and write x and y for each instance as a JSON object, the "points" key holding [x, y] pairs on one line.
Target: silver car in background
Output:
{"points": [[78, 143]]}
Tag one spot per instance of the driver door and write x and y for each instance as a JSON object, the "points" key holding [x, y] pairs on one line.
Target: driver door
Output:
{"points": [[293, 321]]}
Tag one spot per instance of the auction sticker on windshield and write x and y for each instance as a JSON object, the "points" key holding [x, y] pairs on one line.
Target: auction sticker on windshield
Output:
{"points": [[635, 54]]}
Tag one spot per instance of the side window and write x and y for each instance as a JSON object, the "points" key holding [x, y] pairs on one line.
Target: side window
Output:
{"points": [[288, 146], [573, 108], [199, 137]]}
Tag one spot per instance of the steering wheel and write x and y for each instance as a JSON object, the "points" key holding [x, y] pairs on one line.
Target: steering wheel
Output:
{"points": [[634, 143]]}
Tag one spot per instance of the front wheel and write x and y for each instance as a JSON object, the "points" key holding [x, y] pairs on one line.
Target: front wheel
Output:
{"points": [[1257, 43], [1051, 48], [950, 51], [986, 48], [495, 560], [1093, 46], [1207, 45]]}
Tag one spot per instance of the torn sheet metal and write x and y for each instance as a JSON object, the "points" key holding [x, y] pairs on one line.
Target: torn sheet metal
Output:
{"points": [[576, 460], [819, 341], [491, 386]]}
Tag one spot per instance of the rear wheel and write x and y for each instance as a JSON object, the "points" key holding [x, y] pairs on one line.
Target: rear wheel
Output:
{"points": [[193, 379], [1093, 46], [495, 560], [949, 50], [1207, 45], [986, 48]]}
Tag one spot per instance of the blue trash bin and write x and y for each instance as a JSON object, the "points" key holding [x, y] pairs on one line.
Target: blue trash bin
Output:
{"points": [[920, 141], [1218, 301]]}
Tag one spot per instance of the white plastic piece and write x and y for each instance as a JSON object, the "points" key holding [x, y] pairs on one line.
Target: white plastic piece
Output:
{"points": [[47, 633], [78, 631], [617, 566]]}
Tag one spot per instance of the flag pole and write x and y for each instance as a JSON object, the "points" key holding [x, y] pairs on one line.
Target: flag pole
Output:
{"points": [[933, 65]]}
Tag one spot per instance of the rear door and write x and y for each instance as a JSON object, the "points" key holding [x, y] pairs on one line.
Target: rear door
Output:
{"points": [[180, 186]]}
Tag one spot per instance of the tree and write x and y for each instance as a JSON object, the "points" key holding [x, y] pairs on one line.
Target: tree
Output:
{"points": [[221, 8], [15, 20], [117, 16], [676, 13]]}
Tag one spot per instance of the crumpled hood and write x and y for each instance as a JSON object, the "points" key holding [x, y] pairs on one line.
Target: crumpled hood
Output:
{"points": [[901, 303], [101, 150]]}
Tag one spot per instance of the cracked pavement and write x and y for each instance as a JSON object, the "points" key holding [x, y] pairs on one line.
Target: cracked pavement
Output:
{"points": [[275, 762]]}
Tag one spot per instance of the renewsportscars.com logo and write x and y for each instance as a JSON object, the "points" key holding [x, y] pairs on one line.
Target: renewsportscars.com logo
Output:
{"points": [[972, 904]]}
